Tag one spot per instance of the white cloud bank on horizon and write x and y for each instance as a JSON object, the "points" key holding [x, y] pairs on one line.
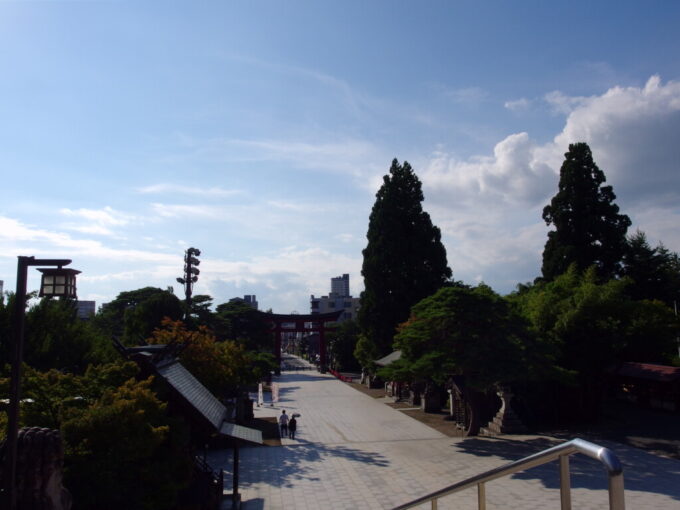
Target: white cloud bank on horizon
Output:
{"points": [[489, 207]]}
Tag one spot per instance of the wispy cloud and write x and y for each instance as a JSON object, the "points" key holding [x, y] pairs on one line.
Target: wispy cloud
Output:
{"points": [[179, 189], [184, 210], [518, 105], [96, 221], [561, 103], [463, 95]]}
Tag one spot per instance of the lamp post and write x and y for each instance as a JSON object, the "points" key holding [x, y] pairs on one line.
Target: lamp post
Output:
{"points": [[55, 282]]}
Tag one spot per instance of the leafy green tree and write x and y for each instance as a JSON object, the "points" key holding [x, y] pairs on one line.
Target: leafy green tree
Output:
{"points": [[133, 315], [237, 320], [124, 452], [588, 227], [200, 312], [366, 353], [222, 367], [341, 344], [588, 326], [655, 272], [404, 260], [57, 338], [460, 331], [471, 332]]}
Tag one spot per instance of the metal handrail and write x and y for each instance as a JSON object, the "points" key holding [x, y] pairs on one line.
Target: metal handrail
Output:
{"points": [[561, 452]]}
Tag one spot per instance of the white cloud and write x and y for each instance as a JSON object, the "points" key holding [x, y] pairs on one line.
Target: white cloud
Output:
{"points": [[489, 207], [518, 105], [178, 189], [96, 221], [564, 104], [187, 210]]}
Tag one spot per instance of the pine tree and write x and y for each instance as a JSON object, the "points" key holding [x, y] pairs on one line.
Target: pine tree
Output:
{"points": [[404, 261], [588, 227], [655, 272]]}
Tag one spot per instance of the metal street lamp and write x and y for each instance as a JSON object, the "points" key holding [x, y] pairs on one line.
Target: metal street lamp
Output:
{"points": [[57, 282]]}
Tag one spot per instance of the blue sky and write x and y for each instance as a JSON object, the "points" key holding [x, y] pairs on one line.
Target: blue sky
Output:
{"points": [[259, 132]]}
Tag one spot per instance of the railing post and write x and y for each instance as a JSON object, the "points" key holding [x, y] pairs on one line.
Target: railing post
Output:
{"points": [[565, 483], [434, 504], [481, 496], [616, 492]]}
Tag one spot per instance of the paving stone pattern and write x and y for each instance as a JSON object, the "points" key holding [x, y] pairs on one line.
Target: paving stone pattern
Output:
{"points": [[354, 452]]}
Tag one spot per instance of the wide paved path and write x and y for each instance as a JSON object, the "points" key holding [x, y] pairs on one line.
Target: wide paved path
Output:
{"points": [[354, 452]]}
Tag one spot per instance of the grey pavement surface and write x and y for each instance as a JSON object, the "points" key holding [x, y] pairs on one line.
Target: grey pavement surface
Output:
{"points": [[354, 452]]}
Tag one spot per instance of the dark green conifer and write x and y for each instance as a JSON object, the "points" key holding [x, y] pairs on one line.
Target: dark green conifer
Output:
{"points": [[588, 227], [404, 261]]}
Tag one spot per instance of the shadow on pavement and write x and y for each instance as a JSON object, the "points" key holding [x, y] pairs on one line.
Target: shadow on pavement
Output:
{"points": [[253, 504], [306, 377], [296, 462], [642, 471]]}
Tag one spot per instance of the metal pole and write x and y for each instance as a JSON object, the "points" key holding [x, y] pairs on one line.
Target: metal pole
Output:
{"points": [[234, 494], [15, 385], [565, 483], [481, 496]]}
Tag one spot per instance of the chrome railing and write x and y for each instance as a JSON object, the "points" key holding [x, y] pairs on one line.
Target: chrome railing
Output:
{"points": [[561, 452]]}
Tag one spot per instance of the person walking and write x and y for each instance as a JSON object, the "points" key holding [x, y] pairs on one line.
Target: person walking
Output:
{"points": [[283, 423], [292, 427]]}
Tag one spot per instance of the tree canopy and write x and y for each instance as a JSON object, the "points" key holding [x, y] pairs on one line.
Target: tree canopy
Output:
{"points": [[404, 260], [470, 332], [587, 326], [237, 320], [588, 227], [654, 272]]}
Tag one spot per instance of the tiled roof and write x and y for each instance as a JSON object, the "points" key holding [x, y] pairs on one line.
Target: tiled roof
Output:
{"points": [[194, 392], [241, 432], [389, 359]]}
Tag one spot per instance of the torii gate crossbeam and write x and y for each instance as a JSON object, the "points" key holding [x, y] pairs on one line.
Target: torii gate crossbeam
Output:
{"points": [[318, 325]]}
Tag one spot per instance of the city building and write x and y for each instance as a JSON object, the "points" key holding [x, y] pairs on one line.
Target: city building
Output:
{"points": [[2, 283], [85, 309], [248, 299], [338, 298], [340, 285]]}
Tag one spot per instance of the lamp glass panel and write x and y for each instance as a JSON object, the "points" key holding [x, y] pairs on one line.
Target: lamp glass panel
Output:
{"points": [[48, 280], [60, 279], [59, 289], [48, 290]]}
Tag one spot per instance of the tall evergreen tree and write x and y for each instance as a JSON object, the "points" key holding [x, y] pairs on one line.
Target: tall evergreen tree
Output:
{"points": [[588, 227], [655, 272], [404, 261]]}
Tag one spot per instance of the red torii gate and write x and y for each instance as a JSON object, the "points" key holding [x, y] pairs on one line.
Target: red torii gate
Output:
{"points": [[317, 323]]}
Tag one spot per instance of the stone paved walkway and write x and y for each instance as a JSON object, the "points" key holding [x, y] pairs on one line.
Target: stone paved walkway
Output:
{"points": [[352, 452]]}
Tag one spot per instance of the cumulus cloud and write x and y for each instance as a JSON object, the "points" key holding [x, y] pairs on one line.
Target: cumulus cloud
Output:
{"points": [[496, 200], [515, 174]]}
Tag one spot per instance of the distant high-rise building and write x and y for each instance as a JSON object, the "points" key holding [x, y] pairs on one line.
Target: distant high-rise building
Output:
{"points": [[338, 299], [85, 309], [340, 285], [248, 299], [2, 283]]}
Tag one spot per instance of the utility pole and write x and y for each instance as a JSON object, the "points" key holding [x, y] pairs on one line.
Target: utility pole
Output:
{"points": [[190, 277]]}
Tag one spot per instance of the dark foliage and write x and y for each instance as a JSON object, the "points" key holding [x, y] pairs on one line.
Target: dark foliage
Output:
{"points": [[404, 260], [588, 227]]}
